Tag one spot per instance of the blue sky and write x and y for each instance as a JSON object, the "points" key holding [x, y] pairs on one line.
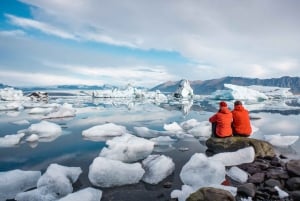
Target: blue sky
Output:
{"points": [[145, 43]]}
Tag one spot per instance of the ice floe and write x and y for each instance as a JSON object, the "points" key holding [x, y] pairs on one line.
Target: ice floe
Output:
{"points": [[127, 148], [281, 140], [15, 181], [157, 168], [108, 130], [11, 140], [104, 172], [44, 129], [87, 194]]}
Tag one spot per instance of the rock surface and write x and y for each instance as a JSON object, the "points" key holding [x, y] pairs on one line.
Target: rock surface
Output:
{"points": [[211, 194]]}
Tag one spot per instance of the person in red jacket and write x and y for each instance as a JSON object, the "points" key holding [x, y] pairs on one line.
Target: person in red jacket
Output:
{"points": [[222, 120], [241, 121]]}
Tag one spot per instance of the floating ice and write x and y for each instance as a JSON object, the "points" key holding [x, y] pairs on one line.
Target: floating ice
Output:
{"points": [[66, 110], [163, 140], [245, 155], [200, 171], [182, 194], [55, 183], [105, 172], [109, 129], [203, 129], [157, 168], [45, 129], [127, 148], [237, 174], [189, 124], [235, 92], [273, 92], [21, 122], [32, 138], [11, 94], [39, 110], [11, 140], [87, 194], [10, 106], [15, 181], [173, 127], [281, 141]]}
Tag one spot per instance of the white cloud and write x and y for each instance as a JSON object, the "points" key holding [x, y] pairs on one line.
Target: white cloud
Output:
{"points": [[13, 33]]}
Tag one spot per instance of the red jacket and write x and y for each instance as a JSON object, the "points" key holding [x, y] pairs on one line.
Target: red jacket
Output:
{"points": [[223, 118], [241, 121]]}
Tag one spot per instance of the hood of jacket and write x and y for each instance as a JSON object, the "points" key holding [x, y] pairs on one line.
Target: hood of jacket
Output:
{"points": [[224, 110]]}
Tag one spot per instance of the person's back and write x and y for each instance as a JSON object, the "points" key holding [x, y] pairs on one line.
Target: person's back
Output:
{"points": [[223, 120], [241, 120]]}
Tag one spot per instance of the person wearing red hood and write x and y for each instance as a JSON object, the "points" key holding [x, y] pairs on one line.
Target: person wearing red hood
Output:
{"points": [[223, 121], [241, 121]]}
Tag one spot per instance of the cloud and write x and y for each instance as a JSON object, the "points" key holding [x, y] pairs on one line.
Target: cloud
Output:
{"points": [[13, 33]]}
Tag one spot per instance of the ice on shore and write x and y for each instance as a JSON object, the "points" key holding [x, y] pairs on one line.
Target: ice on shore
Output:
{"points": [[157, 168], [55, 183], [104, 172], [15, 181], [44, 129], [11, 140], [201, 171], [245, 155], [127, 148], [237, 174], [105, 130], [87, 194], [281, 140]]}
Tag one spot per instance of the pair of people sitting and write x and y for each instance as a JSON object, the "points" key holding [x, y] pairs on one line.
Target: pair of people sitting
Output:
{"points": [[226, 123]]}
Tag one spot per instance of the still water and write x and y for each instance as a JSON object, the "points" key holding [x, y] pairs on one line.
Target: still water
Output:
{"points": [[71, 149]]}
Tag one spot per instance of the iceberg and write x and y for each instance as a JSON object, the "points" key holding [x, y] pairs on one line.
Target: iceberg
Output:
{"points": [[11, 140], [11, 94], [87, 194], [280, 140], [245, 155], [184, 90], [105, 130], [127, 148], [104, 172], [157, 168], [44, 129], [273, 92], [55, 183], [235, 92], [201, 171], [15, 181]]}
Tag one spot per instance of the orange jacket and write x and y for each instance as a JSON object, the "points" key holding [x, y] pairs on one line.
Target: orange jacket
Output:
{"points": [[241, 121], [223, 118]]}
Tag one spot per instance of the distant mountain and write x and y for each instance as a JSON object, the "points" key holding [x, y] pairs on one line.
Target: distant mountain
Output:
{"points": [[209, 86]]}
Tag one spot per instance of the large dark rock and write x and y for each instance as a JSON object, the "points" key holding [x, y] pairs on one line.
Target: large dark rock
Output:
{"points": [[293, 167], [293, 184], [247, 189], [229, 144], [211, 194]]}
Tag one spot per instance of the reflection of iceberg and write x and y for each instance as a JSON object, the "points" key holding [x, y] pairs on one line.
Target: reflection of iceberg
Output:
{"points": [[281, 141]]}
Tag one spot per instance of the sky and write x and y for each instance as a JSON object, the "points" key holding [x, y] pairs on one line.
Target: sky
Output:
{"points": [[146, 43]]}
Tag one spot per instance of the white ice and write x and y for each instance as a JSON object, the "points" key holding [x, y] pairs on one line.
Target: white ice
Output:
{"points": [[235, 92], [146, 132], [273, 92], [127, 148], [173, 127], [11, 140], [15, 181], [245, 155], [87, 194], [44, 129], [4, 106], [203, 129], [200, 171], [237, 174], [163, 140], [157, 168], [11, 94], [189, 124], [39, 110], [282, 194], [55, 183], [32, 138], [108, 129], [281, 140], [184, 89], [104, 172], [21, 122], [65, 110]]}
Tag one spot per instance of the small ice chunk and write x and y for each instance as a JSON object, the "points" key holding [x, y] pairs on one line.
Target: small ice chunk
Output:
{"points": [[173, 127], [182, 194], [32, 138], [127, 148], [245, 155], [162, 140], [282, 194], [105, 172], [15, 181], [157, 168], [11, 140], [203, 129], [45, 129], [87, 194], [189, 124], [145, 132], [200, 171], [21, 122], [109, 129], [237, 174], [38, 110], [281, 141], [66, 110]]}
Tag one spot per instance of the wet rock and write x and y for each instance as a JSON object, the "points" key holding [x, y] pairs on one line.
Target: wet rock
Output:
{"points": [[293, 167], [229, 144], [257, 178], [295, 195], [293, 184], [211, 194], [247, 189], [278, 173], [273, 182]]}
